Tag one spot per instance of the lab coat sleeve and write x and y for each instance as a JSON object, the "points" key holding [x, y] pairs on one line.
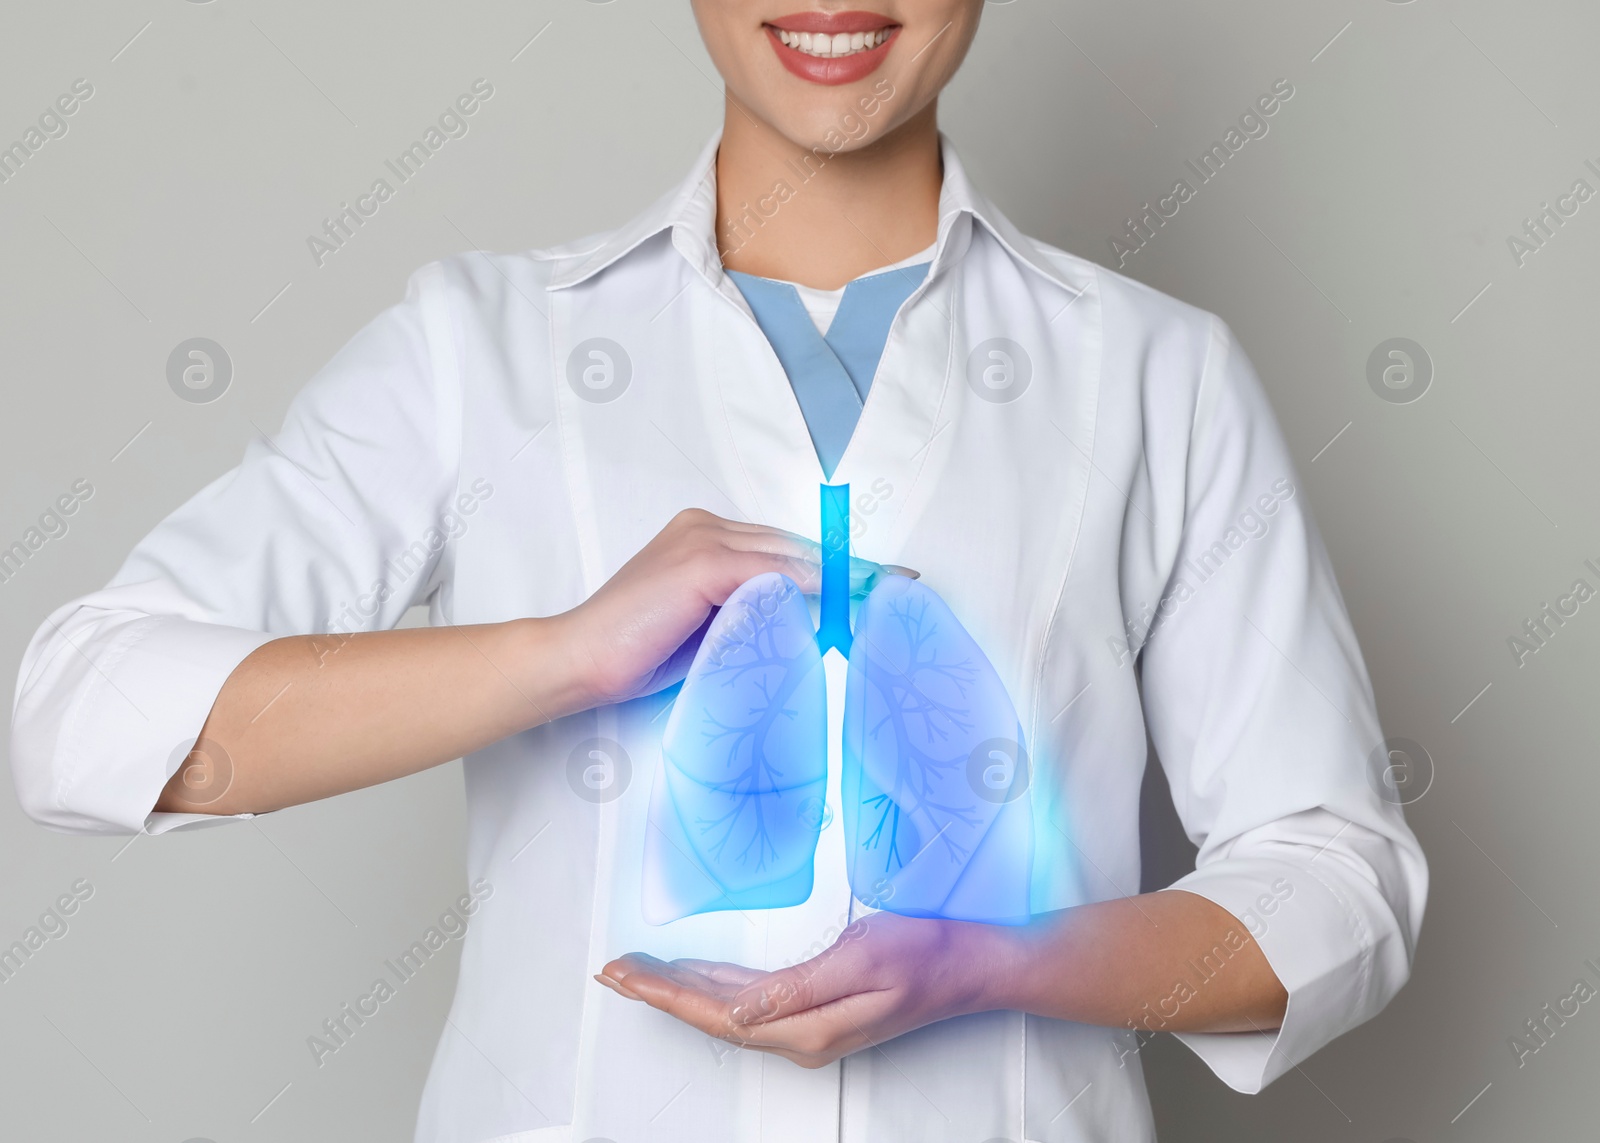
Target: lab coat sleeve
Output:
{"points": [[339, 523], [1259, 706]]}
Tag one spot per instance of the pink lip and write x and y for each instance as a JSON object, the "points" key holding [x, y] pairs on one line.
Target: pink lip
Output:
{"points": [[832, 72], [832, 22]]}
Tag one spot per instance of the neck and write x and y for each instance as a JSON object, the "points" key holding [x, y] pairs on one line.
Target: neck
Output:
{"points": [[802, 215]]}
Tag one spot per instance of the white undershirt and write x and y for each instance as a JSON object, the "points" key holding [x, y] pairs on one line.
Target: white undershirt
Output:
{"points": [[822, 305]]}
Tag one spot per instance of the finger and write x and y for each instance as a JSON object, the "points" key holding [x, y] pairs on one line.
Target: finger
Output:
{"points": [[722, 972], [739, 556], [835, 973], [866, 575], [679, 992], [832, 1030], [743, 566], [746, 525], [801, 561], [615, 986], [798, 547], [761, 537], [788, 544], [773, 540], [676, 666], [635, 963], [654, 981]]}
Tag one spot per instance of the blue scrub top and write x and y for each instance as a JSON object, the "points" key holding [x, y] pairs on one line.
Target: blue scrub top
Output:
{"points": [[830, 373]]}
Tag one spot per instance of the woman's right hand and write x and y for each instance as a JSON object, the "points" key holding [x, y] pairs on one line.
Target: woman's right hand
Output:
{"points": [[639, 632], [309, 716]]}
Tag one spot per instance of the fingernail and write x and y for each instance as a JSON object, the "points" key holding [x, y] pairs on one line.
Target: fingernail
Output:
{"points": [[754, 1011], [744, 1014], [616, 986], [896, 569]]}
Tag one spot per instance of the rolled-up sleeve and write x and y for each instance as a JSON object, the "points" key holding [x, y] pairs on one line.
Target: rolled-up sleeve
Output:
{"points": [[1261, 711], [337, 524]]}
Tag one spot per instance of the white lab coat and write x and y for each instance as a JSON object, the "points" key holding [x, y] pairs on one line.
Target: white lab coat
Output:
{"points": [[455, 452]]}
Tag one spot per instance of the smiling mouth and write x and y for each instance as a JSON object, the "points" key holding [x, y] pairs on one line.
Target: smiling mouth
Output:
{"points": [[839, 45], [832, 48]]}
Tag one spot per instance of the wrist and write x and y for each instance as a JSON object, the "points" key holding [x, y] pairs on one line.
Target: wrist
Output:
{"points": [[1003, 959], [556, 666], [1037, 967]]}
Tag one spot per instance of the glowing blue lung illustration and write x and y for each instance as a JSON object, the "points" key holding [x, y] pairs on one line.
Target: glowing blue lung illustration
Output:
{"points": [[934, 786], [937, 822], [738, 804]]}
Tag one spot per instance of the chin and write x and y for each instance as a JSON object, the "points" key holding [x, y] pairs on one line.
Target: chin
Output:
{"points": [[838, 119]]}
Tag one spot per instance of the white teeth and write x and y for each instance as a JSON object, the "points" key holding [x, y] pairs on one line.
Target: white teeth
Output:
{"points": [[832, 47]]}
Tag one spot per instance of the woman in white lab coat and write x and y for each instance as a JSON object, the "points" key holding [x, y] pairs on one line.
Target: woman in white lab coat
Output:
{"points": [[574, 456]]}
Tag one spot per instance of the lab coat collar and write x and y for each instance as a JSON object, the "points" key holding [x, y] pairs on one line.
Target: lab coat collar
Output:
{"points": [[689, 213]]}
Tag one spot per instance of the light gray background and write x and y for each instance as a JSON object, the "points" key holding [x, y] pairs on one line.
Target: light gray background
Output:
{"points": [[221, 134]]}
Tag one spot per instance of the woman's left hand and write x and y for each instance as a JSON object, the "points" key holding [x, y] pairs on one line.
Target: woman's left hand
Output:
{"points": [[884, 976]]}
